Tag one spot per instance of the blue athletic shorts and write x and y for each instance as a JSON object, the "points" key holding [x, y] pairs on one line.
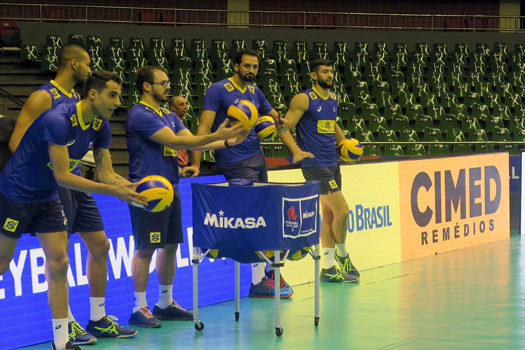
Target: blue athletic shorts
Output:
{"points": [[253, 168], [155, 230], [17, 218], [330, 177], [81, 211]]}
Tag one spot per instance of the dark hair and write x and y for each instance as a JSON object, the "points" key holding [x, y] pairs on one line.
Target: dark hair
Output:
{"points": [[97, 80], [145, 75], [70, 52], [314, 64], [238, 55]]}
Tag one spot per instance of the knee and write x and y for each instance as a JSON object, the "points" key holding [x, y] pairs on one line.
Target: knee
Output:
{"points": [[144, 254], [57, 266], [101, 250], [342, 212]]}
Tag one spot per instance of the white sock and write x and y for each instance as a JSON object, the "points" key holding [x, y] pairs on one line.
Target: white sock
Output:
{"points": [[60, 333], [140, 301], [165, 295], [98, 308], [328, 259], [257, 272], [340, 250], [70, 317]]}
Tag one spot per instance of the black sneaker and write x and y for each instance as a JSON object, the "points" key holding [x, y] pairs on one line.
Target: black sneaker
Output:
{"points": [[346, 266], [69, 346], [174, 312], [335, 275]]}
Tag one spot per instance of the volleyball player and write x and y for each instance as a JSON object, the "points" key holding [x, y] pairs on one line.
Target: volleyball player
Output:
{"points": [[313, 114], [154, 134], [245, 160], [29, 202], [80, 208]]}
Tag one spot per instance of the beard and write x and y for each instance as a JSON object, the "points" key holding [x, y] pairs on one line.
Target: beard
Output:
{"points": [[325, 84], [161, 97], [248, 78]]}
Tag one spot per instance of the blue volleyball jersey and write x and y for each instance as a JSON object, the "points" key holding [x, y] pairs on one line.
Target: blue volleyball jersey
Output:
{"points": [[60, 95], [219, 97], [28, 176], [316, 129], [147, 157]]}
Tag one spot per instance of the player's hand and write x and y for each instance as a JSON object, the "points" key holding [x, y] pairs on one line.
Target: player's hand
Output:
{"points": [[224, 132], [128, 194], [239, 138], [190, 170], [280, 123], [297, 157]]}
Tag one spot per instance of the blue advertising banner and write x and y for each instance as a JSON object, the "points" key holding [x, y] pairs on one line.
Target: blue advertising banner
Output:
{"points": [[240, 220], [23, 289]]}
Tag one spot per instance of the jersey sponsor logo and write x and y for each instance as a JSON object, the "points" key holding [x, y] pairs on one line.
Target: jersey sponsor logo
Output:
{"points": [[326, 126], [154, 237], [72, 164], [333, 184], [97, 123], [54, 93], [169, 152], [312, 94], [251, 88], [74, 120], [332, 96], [10, 225], [229, 87], [222, 221]]}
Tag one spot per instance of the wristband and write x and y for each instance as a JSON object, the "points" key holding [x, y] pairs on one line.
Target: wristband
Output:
{"points": [[226, 144]]}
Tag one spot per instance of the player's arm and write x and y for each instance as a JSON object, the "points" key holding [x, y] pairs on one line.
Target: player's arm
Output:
{"points": [[298, 106], [104, 168], [185, 140], [37, 103], [339, 134], [205, 123], [59, 157]]}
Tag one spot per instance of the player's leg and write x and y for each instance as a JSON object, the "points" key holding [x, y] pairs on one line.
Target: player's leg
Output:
{"points": [[167, 308], [7, 249], [54, 246]]}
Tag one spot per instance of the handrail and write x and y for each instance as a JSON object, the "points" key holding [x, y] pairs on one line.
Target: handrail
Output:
{"points": [[258, 19], [6, 95]]}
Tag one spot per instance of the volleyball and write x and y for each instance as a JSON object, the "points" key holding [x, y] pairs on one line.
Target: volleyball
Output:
{"points": [[243, 112], [158, 192], [265, 128], [350, 149], [298, 255]]}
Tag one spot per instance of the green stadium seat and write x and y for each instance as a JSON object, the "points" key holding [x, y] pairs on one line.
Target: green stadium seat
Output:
{"points": [[457, 135], [29, 53], [434, 134], [480, 135], [280, 50], [503, 134], [97, 63], [49, 63], [177, 48], [92, 41], [423, 122], [392, 149], [448, 122], [238, 44], [76, 39], [413, 111], [54, 41], [261, 46], [117, 43], [320, 50], [376, 123], [368, 110], [367, 136], [224, 68], [137, 43], [414, 149], [356, 125]]}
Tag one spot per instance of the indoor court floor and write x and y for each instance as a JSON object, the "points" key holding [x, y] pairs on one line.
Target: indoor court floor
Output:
{"points": [[465, 299]]}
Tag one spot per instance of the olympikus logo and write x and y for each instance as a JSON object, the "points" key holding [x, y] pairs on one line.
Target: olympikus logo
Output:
{"points": [[233, 222], [291, 213]]}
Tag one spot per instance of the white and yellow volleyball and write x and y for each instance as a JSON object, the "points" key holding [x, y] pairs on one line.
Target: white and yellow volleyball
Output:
{"points": [[158, 192], [243, 112]]}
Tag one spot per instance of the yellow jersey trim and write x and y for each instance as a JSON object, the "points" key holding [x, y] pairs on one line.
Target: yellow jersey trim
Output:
{"points": [[237, 86], [80, 118], [153, 108], [62, 90], [320, 95]]}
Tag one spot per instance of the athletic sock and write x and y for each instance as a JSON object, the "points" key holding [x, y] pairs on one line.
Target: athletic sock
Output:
{"points": [[140, 301], [70, 317], [97, 307], [60, 332], [257, 272], [328, 260], [340, 250], [165, 295]]}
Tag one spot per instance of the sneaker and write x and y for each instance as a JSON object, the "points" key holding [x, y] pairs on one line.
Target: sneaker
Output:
{"points": [[334, 275], [107, 327], [346, 266], [69, 346], [285, 287], [266, 289], [144, 318], [174, 312], [78, 335]]}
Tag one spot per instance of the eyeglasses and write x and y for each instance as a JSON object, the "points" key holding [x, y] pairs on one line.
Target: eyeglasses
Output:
{"points": [[163, 83]]}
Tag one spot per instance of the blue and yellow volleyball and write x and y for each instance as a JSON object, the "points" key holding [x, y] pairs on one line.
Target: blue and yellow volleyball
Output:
{"points": [[298, 255], [158, 192], [265, 128], [350, 149], [243, 112]]}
